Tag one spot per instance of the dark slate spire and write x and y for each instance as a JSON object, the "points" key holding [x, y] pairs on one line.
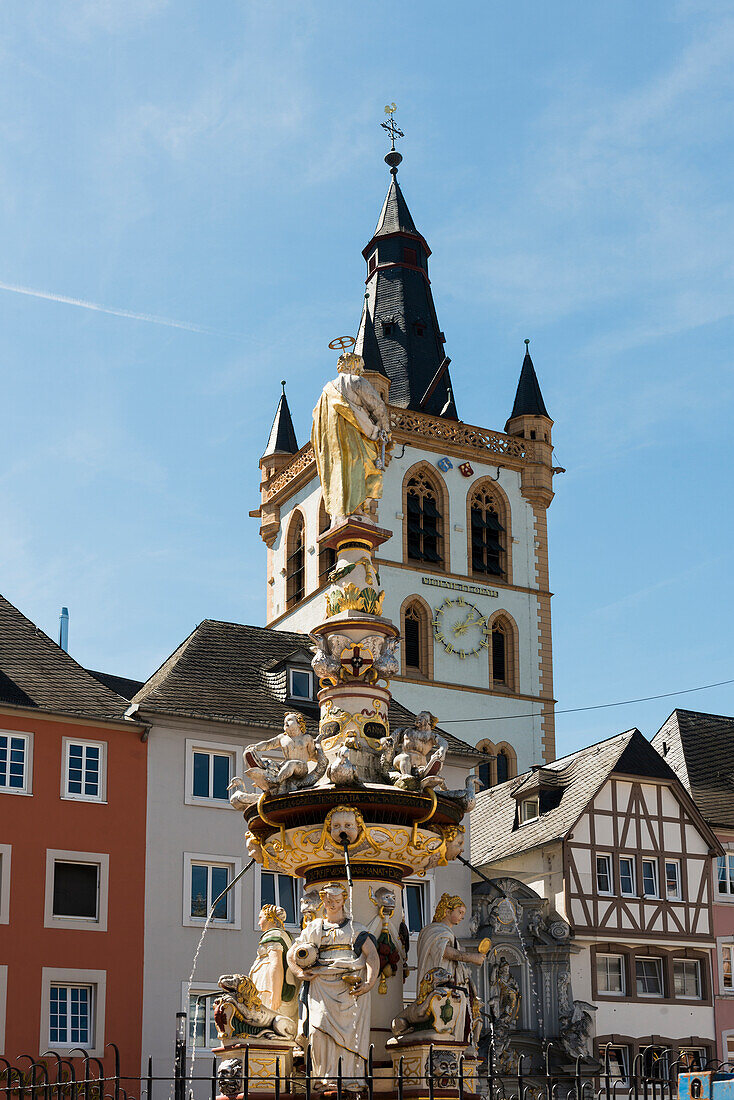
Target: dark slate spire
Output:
{"points": [[405, 338], [282, 436], [528, 399]]}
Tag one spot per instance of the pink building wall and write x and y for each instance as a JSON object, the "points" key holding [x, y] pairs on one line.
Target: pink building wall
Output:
{"points": [[723, 917]]}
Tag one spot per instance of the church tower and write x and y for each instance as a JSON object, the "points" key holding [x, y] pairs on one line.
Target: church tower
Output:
{"points": [[466, 570]]}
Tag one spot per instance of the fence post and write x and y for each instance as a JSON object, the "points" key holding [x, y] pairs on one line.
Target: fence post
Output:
{"points": [[179, 1063], [150, 1077]]}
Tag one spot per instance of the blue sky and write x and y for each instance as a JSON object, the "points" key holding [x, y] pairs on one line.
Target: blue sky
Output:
{"points": [[220, 165]]}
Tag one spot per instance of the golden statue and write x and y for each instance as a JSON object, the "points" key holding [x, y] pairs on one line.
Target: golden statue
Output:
{"points": [[351, 441]]}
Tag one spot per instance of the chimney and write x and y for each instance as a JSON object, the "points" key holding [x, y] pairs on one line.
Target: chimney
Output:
{"points": [[64, 629]]}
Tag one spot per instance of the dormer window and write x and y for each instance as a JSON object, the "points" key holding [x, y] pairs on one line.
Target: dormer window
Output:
{"points": [[388, 327], [300, 683], [419, 328], [410, 256], [529, 810]]}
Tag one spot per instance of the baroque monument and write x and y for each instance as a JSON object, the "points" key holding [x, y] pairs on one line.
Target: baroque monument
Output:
{"points": [[352, 812]]}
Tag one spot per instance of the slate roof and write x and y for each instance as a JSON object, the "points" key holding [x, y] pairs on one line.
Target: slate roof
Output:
{"points": [[36, 672], [495, 832], [228, 672], [394, 216], [121, 684], [528, 398], [699, 748], [282, 438]]}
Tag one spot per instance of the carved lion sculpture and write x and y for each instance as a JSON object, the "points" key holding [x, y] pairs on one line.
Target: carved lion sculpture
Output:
{"points": [[241, 1012]]}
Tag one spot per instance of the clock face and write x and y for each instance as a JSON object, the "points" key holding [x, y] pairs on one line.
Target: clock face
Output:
{"points": [[461, 628]]}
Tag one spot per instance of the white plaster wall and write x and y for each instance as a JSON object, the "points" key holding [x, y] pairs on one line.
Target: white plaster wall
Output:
{"points": [[634, 1018], [540, 868]]}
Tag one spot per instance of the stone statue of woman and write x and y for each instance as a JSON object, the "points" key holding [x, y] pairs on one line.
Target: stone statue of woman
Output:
{"points": [[351, 437], [339, 960], [439, 947], [270, 973]]}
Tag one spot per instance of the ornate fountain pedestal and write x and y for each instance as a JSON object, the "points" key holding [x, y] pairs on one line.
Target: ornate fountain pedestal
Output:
{"points": [[261, 1061], [418, 1061]]}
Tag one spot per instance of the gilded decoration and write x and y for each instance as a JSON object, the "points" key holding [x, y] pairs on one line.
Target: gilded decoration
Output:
{"points": [[368, 730], [352, 598]]}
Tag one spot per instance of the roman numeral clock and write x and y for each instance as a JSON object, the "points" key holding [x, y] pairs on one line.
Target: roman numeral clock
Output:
{"points": [[461, 628]]}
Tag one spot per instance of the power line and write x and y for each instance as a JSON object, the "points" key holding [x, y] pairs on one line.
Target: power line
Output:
{"points": [[598, 706]]}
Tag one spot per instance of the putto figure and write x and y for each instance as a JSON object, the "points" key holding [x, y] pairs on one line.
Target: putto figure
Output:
{"points": [[339, 960], [420, 755], [299, 749], [351, 441]]}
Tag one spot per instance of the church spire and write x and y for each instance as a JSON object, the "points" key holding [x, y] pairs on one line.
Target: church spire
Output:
{"points": [[282, 438], [528, 398], [399, 329]]}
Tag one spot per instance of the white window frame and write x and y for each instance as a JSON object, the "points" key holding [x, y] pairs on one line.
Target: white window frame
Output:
{"points": [[85, 742], [98, 980], [3, 1004], [198, 987], [526, 813], [83, 924], [721, 947], [678, 895], [623, 1061], [633, 875], [727, 1037], [235, 900], [610, 874], [27, 788], [728, 894], [428, 884], [300, 698], [622, 980], [696, 963], [298, 887], [702, 1057], [653, 862], [221, 748], [661, 971], [6, 852]]}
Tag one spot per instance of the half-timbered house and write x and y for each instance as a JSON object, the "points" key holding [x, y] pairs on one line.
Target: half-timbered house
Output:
{"points": [[613, 840]]}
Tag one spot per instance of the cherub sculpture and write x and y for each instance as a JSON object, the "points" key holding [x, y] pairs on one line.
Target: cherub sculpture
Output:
{"points": [[420, 755], [299, 749]]}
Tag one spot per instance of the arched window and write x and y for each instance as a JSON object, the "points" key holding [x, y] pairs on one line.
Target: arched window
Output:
{"points": [[295, 561], [503, 653], [424, 521], [486, 771], [327, 555], [487, 531], [417, 639], [501, 763], [503, 766]]}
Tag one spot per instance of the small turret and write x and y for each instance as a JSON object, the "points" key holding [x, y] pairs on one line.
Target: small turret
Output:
{"points": [[529, 418], [281, 447]]}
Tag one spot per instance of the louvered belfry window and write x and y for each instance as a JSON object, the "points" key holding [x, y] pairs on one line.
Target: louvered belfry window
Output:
{"points": [[487, 534], [424, 521], [412, 638], [295, 570]]}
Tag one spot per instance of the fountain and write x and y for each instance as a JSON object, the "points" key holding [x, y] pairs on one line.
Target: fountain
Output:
{"points": [[352, 812]]}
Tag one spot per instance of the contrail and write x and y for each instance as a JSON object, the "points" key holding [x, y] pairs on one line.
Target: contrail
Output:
{"points": [[151, 318]]}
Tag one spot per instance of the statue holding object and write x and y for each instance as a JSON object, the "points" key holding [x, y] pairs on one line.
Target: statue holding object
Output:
{"points": [[270, 973], [351, 442], [299, 748], [420, 754]]}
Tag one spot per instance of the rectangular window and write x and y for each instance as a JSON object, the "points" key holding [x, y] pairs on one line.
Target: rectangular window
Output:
{"points": [[687, 978], [627, 876], [14, 762], [76, 890], [211, 774], [84, 770], [672, 880], [529, 810], [208, 880], [410, 255], [280, 890], [650, 878], [70, 1016], [416, 906], [649, 976], [604, 874], [616, 1062], [725, 873], [655, 1063], [202, 1029], [727, 953], [610, 973], [300, 683], [692, 1059]]}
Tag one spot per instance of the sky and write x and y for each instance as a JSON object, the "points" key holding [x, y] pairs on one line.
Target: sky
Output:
{"points": [[185, 190]]}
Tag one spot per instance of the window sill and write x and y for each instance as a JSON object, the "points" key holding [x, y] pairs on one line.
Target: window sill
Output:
{"points": [[77, 924], [29, 794], [199, 922], [83, 798], [208, 803]]}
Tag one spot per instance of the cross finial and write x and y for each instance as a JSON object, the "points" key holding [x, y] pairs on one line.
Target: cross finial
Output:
{"points": [[393, 158]]}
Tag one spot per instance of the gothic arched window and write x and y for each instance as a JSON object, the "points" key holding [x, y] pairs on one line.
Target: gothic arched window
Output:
{"points": [[486, 771], [327, 554], [502, 653], [423, 519], [503, 766], [487, 545], [295, 561], [417, 639]]}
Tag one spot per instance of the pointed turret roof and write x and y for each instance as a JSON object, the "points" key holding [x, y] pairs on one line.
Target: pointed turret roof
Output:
{"points": [[282, 439], [399, 333], [528, 399]]}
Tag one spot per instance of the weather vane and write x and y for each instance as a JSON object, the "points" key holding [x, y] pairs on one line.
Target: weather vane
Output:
{"points": [[393, 158]]}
